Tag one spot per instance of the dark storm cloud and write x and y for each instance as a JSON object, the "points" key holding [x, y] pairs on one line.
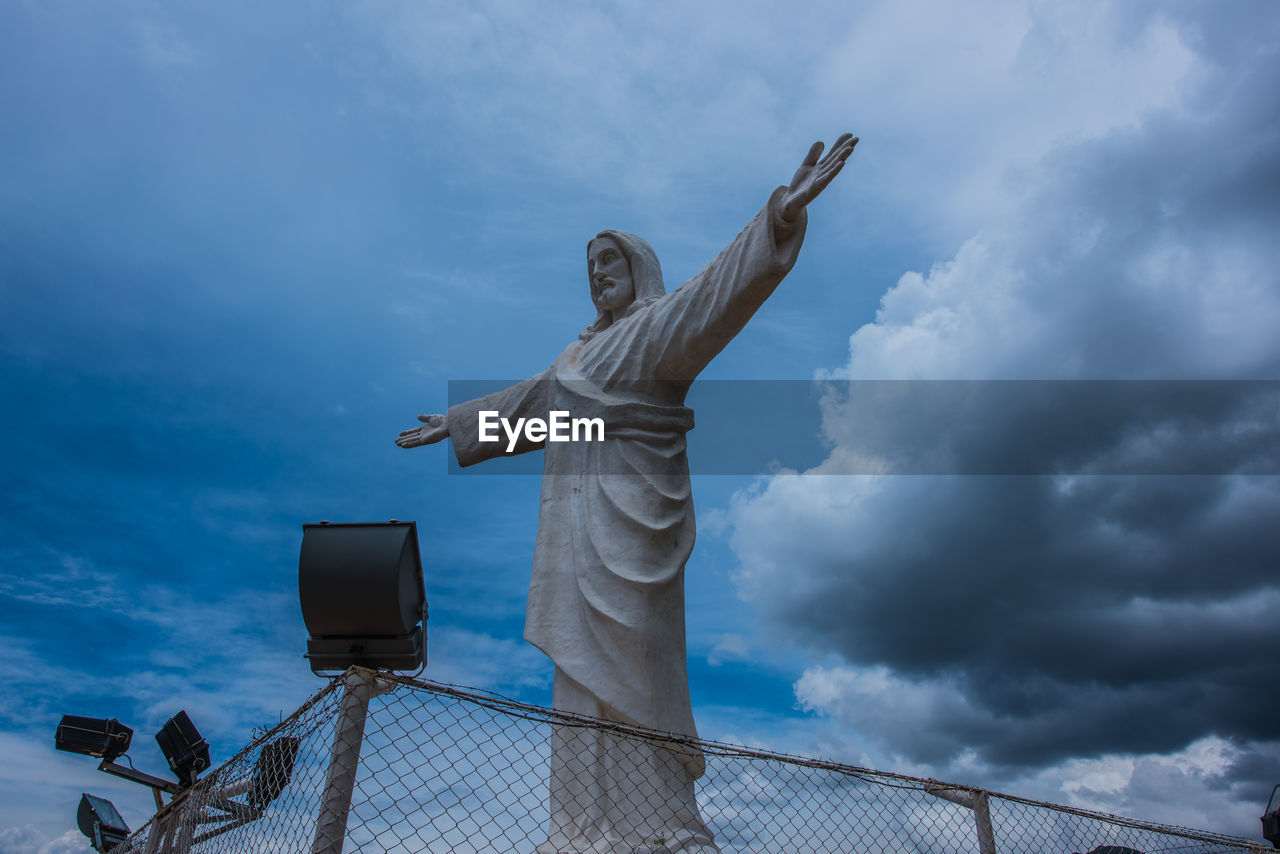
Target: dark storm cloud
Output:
{"points": [[1036, 619], [1253, 775], [1070, 621], [1024, 427]]}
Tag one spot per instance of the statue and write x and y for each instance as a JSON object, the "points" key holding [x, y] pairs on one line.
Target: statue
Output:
{"points": [[616, 524]]}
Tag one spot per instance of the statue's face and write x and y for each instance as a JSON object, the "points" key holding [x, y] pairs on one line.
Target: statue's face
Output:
{"points": [[612, 288]]}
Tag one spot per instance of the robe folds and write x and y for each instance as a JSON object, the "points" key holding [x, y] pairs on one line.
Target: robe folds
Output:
{"points": [[616, 521]]}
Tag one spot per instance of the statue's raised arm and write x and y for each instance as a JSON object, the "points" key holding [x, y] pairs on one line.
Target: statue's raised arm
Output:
{"points": [[689, 327]]}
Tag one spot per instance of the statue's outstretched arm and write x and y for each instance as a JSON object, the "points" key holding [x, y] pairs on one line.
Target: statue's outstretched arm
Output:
{"points": [[433, 430], [814, 175]]}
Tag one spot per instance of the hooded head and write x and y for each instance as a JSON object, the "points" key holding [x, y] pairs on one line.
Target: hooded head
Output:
{"points": [[646, 278]]}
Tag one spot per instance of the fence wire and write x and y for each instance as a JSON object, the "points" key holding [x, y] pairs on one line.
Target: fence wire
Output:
{"points": [[436, 768]]}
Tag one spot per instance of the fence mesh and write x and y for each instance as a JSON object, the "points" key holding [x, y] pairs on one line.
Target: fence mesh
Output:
{"points": [[436, 768]]}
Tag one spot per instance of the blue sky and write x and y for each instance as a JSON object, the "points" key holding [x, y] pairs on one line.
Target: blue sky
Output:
{"points": [[243, 245]]}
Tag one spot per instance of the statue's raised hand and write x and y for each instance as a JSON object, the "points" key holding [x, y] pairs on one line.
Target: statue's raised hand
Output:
{"points": [[814, 175], [433, 429]]}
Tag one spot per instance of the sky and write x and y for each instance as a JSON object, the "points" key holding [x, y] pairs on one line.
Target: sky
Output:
{"points": [[243, 245]]}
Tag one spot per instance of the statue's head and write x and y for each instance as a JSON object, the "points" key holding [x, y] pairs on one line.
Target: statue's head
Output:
{"points": [[609, 274], [622, 272]]}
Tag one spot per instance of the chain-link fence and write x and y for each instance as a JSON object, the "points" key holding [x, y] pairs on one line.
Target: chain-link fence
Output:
{"points": [[433, 768]]}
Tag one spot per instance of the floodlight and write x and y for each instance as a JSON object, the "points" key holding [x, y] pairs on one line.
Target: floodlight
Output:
{"points": [[103, 737], [182, 745], [1271, 821], [360, 585], [99, 820], [273, 769]]}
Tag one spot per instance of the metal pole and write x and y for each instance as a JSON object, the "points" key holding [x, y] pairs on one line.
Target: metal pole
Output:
{"points": [[360, 686], [977, 801], [159, 830], [187, 809], [982, 819]]}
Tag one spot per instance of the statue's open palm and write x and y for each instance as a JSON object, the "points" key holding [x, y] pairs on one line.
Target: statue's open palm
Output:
{"points": [[434, 429], [814, 175]]}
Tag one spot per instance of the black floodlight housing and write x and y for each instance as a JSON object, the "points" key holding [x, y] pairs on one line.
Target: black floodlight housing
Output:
{"points": [[99, 820], [1271, 820], [272, 771], [106, 738], [360, 585], [184, 748]]}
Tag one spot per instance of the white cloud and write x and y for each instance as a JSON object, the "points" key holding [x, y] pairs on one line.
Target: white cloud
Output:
{"points": [[163, 45], [885, 709], [1083, 280], [960, 102], [730, 647], [475, 659], [75, 582], [876, 709], [40, 791], [29, 840], [1185, 788]]}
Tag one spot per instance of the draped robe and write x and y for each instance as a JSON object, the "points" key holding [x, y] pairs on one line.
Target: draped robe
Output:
{"points": [[616, 521]]}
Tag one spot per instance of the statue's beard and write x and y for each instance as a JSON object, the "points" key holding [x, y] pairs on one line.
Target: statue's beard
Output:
{"points": [[604, 295]]}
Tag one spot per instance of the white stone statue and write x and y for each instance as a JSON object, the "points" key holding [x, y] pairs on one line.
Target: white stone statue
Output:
{"points": [[616, 525]]}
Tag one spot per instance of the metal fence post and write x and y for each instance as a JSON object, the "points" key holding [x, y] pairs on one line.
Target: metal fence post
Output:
{"points": [[359, 687], [982, 818], [977, 801], [184, 827], [159, 830]]}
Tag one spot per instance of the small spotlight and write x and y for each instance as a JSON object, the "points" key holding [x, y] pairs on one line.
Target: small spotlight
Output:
{"points": [[99, 820], [182, 745], [360, 586], [272, 771], [102, 737]]}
